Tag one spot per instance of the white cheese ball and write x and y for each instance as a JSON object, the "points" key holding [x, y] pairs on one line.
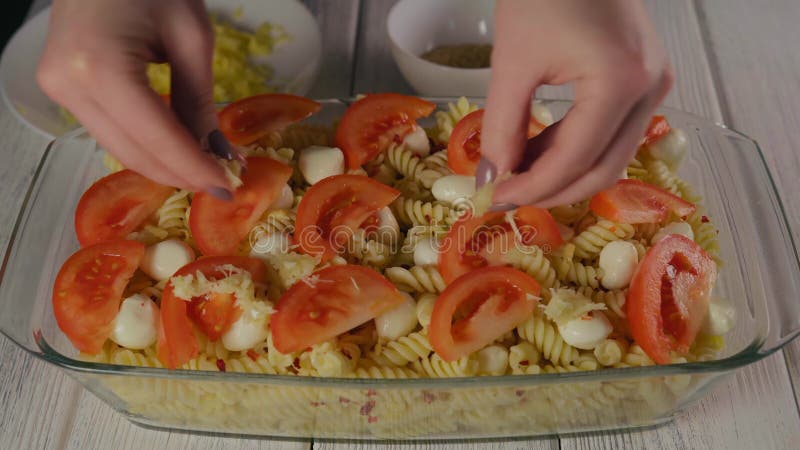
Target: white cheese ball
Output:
{"points": [[163, 259], [681, 228], [136, 325], [246, 332], [426, 251], [285, 200], [317, 162], [586, 332], [270, 244], [618, 259], [453, 188], [398, 322], [542, 114], [388, 228], [671, 148], [720, 319], [417, 142], [493, 360]]}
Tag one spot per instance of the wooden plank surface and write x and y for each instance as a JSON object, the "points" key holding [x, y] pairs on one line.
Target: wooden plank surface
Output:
{"points": [[757, 69]]}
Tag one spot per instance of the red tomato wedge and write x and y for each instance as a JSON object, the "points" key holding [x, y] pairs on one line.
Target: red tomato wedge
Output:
{"points": [[483, 241], [219, 226], [634, 201], [213, 313], [88, 291], [329, 303], [478, 308], [245, 121], [464, 146], [669, 296], [656, 130], [332, 209], [116, 205], [371, 124]]}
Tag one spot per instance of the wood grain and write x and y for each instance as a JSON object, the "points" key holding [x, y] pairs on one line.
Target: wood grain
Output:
{"points": [[757, 69]]}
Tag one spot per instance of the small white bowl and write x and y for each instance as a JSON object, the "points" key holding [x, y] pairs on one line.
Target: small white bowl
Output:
{"points": [[416, 26], [295, 63]]}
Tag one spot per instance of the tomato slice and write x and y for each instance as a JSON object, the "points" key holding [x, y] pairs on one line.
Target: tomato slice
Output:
{"points": [[332, 209], [478, 308], [213, 313], [669, 296], [219, 226], [483, 241], [115, 205], [464, 146], [656, 130], [371, 124], [329, 303], [245, 121], [88, 291], [634, 201]]}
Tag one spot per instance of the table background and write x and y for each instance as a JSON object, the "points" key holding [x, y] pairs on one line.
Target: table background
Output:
{"points": [[736, 62]]}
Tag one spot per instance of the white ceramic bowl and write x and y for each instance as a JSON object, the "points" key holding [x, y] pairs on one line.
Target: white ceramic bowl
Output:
{"points": [[295, 63], [416, 26]]}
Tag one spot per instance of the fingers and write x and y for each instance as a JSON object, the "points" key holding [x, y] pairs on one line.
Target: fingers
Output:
{"points": [[505, 122], [579, 140]]}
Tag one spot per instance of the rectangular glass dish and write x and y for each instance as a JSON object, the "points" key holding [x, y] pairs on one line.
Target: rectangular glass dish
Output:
{"points": [[759, 277]]}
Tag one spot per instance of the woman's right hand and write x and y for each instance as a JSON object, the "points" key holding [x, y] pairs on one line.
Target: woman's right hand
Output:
{"points": [[95, 64]]}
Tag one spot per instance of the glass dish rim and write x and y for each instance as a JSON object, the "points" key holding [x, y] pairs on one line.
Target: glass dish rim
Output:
{"points": [[748, 355]]}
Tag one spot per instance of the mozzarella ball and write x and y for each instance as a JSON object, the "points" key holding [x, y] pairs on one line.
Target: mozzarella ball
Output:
{"points": [[285, 200], [417, 142], [136, 325], [388, 228], [493, 360], [426, 251], [270, 244], [317, 162], [452, 188], [542, 114], [681, 228], [720, 318], [671, 148], [587, 331], [163, 259], [398, 322], [618, 259], [246, 332]]}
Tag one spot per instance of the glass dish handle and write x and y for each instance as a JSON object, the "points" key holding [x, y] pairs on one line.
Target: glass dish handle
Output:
{"points": [[28, 265]]}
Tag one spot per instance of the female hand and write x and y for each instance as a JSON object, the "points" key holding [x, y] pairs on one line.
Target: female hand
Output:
{"points": [[94, 65], [620, 71]]}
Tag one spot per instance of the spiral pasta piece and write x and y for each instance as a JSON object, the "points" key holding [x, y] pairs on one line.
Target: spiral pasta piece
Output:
{"points": [[705, 234], [637, 171], [369, 252], [424, 309], [402, 351], [277, 221], [591, 241], [436, 367], [635, 357], [543, 333], [419, 279], [570, 214], [437, 161], [250, 364], [446, 120], [409, 165], [523, 359], [610, 351], [661, 175], [172, 214], [283, 155], [410, 212], [532, 261]]}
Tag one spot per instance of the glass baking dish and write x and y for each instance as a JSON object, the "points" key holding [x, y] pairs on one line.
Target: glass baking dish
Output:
{"points": [[760, 278]]}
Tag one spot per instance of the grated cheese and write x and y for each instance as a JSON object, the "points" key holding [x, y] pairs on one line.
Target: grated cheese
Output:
{"points": [[236, 281], [566, 305]]}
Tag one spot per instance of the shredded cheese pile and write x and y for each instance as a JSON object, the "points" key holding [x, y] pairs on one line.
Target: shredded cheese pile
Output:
{"points": [[237, 282], [566, 305]]}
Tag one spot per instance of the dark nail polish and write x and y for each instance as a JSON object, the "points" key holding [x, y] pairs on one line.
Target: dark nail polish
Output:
{"points": [[220, 193], [503, 207], [485, 173], [219, 146]]}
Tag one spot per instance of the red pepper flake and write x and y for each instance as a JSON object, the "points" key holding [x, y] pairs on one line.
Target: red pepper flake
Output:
{"points": [[519, 392], [612, 229], [705, 219], [397, 139], [371, 392], [221, 365], [428, 397], [372, 419], [344, 400], [367, 408], [296, 363], [317, 404], [347, 354], [252, 354], [524, 362]]}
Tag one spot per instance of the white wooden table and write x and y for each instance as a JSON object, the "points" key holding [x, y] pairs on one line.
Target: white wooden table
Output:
{"points": [[736, 62]]}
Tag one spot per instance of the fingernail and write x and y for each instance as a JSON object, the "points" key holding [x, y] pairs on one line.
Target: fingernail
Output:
{"points": [[220, 193], [485, 173], [219, 145], [502, 207]]}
